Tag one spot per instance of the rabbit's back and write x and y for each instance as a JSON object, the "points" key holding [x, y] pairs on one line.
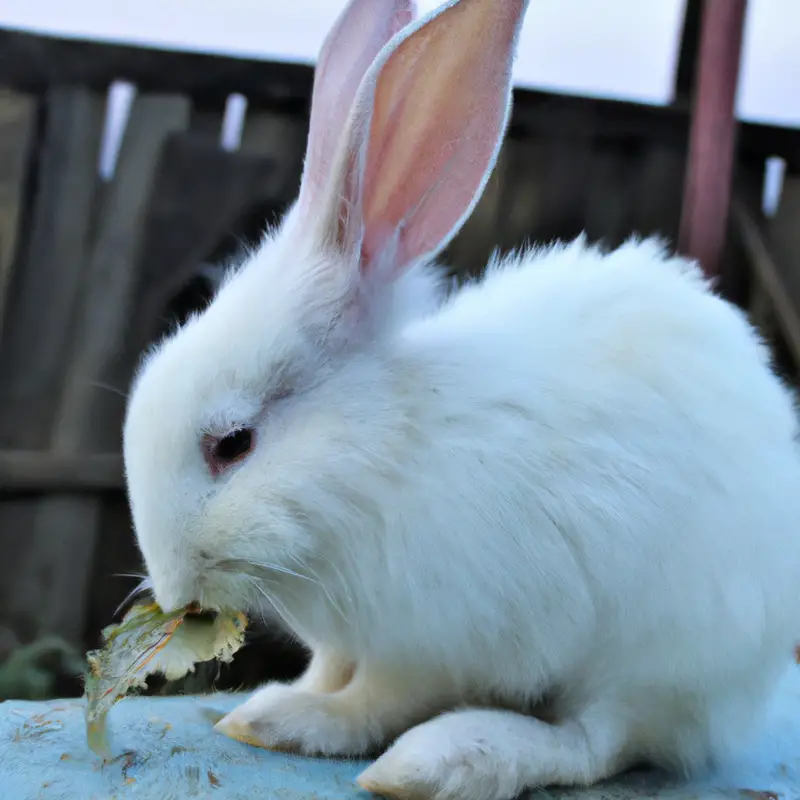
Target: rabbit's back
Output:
{"points": [[617, 428], [634, 334], [629, 420]]}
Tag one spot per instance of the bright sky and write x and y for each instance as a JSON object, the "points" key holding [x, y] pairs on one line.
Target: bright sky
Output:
{"points": [[567, 45], [623, 49]]}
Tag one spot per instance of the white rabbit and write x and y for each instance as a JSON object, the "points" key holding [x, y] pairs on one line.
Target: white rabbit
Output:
{"points": [[541, 528]]}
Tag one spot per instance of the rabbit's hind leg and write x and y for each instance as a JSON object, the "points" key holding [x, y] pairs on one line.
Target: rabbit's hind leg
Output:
{"points": [[484, 754]]}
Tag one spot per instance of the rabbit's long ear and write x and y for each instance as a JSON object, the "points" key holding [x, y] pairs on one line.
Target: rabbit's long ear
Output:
{"points": [[352, 44], [424, 135]]}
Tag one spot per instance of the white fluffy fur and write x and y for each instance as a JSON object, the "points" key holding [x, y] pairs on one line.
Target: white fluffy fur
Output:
{"points": [[570, 488]]}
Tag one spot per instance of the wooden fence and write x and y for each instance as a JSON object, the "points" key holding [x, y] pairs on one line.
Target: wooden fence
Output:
{"points": [[91, 271]]}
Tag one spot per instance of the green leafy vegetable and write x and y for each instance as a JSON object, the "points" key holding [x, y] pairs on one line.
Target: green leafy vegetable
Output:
{"points": [[149, 641]]}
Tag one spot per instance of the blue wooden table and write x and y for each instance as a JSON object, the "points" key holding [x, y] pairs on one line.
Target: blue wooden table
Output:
{"points": [[165, 747]]}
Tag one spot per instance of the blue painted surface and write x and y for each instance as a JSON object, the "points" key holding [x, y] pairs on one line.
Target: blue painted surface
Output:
{"points": [[166, 748], [163, 748]]}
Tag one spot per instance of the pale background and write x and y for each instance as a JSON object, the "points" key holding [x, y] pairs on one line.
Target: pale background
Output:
{"points": [[616, 49], [625, 49]]}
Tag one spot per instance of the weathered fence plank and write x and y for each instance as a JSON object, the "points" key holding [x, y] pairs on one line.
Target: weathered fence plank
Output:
{"points": [[784, 234], [656, 189], [17, 134], [66, 526], [34, 353], [281, 138], [472, 247], [179, 235], [608, 210], [767, 273], [47, 292], [111, 275]]}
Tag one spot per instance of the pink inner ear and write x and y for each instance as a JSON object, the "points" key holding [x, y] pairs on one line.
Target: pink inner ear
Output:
{"points": [[439, 110], [357, 36]]}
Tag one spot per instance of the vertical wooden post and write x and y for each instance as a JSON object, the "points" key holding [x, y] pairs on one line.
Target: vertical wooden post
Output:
{"points": [[707, 186]]}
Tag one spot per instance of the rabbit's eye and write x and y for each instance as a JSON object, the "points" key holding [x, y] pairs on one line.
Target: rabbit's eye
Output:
{"points": [[221, 452], [234, 445]]}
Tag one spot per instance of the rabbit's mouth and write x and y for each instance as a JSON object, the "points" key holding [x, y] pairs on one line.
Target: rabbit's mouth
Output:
{"points": [[198, 614]]}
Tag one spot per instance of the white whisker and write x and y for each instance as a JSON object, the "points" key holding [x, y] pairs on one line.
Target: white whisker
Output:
{"points": [[274, 602], [263, 570], [145, 585], [325, 589], [109, 388]]}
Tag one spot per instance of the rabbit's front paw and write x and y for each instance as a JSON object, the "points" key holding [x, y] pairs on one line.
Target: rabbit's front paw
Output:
{"points": [[290, 719]]}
